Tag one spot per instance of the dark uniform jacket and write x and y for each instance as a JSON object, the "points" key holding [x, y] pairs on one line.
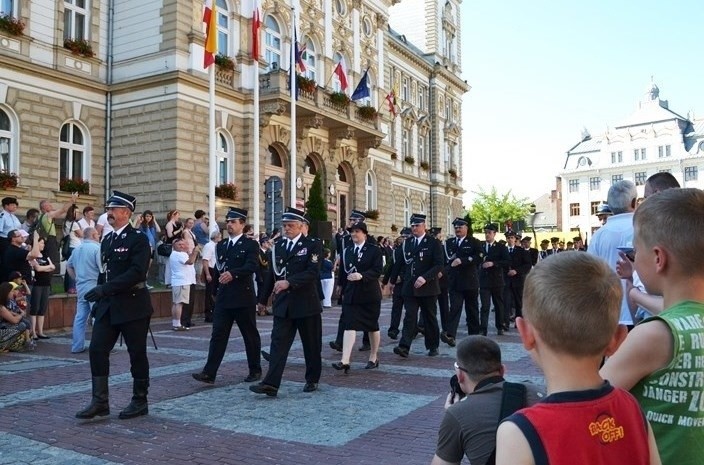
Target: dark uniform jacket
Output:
{"points": [[368, 262], [494, 276], [426, 260], [533, 253], [125, 260], [394, 273], [520, 261], [465, 276], [302, 270], [242, 261], [263, 270]]}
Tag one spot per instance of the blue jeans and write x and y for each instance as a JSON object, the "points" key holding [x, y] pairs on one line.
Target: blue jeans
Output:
{"points": [[83, 308]]}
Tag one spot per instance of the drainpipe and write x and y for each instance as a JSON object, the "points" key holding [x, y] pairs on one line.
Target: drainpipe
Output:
{"points": [[108, 97], [432, 113]]}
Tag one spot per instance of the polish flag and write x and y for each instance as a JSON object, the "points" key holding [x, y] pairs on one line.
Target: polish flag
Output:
{"points": [[211, 33], [256, 25], [341, 71]]}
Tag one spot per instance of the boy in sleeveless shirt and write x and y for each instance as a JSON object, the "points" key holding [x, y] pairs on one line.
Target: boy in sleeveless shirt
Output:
{"points": [[571, 306]]}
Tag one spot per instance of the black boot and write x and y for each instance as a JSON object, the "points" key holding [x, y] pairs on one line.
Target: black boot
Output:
{"points": [[99, 405], [138, 406]]}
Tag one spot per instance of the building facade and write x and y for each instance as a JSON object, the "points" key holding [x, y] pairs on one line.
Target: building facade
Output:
{"points": [[652, 139], [114, 93]]}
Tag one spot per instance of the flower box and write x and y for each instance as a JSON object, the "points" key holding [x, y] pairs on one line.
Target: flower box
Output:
{"points": [[11, 25], [305, 84], [74, 185], [224, 62], [409, 159], [452, 172], [425, 165], [79, 47], [340, 99], [368, 113], [372, 214], [226, 191], [8, 180]]}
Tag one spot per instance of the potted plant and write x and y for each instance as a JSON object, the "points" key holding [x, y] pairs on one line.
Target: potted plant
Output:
{"points": [[452, 172], [372, 214], [224, 62], [339, 98], [425, 165], [8, 180], [226, 191], [409, 159], [11, 25], [305, 84], [367, 112], [74, 185], [79, 47], [394, 228], [394, 156]]}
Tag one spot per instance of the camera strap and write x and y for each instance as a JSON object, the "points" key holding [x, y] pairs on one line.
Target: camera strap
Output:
{"points": [[513, 398]]}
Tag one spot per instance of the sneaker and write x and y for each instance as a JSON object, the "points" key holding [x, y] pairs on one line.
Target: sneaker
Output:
{"points": [[180, 328], [150, 287]]}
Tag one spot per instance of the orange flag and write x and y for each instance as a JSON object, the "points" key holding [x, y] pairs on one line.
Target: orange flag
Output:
{"points": [[210, 18]]}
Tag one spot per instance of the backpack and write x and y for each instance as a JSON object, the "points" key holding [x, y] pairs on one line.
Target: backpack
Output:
{"points": [[513, 398], [39, 228]]}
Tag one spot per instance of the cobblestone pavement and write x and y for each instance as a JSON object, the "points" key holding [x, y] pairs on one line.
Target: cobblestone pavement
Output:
{"points": [[386, 416]]}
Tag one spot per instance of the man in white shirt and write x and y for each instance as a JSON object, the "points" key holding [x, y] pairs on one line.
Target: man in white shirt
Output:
{"points": [[8, 221], [103, 226], [211, 277], [183, 274], [617, 232]]}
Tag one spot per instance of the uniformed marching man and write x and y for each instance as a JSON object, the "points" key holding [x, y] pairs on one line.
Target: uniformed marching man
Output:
{"points": [[544, 252], [295, 266], [532, 251], [423, 257], [463, 253], [518, 268], [237, 259], [491, 279], [394, 278], [122, 307]]}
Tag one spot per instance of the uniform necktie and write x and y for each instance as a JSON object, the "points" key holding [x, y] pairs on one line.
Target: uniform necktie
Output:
{"points": [[356, 251], [487, 247], [289, 247], [510, 250]]}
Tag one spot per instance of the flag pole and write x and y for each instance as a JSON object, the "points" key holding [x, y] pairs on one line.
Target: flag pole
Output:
{"points": [[256, 149], [292, 78], [211, 148]]}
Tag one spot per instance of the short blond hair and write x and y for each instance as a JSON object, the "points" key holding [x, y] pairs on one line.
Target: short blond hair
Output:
{"points": [[573, 300], [673, 219]]}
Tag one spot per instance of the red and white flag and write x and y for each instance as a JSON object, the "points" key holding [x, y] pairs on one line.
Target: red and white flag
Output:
{"points": [[210, 18], [256, 25], [341, 71], [391, 102]]}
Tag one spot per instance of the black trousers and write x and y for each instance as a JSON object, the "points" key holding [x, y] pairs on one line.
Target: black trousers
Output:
{"points": [[513, 298], [428, 309], [444, 308], [284, 331], [103, 341], [209, 303], [487, 295], [396, 307], [187, 309], [469, 299], [223, 319]]}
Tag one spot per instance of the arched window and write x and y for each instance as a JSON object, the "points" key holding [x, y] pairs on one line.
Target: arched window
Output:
{"points": [[73, 162], [223, 27], [226, 158], [370, 187], [8, 142], [341, 176], [309, 59], [76, 19], [272, 43], [448, 223], [309, 166], [406, 211], [275, 158], [336, 86], [422, 207]]}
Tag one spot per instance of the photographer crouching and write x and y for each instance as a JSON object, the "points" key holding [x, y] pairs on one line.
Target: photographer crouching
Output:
{"points": [[470, 421]]}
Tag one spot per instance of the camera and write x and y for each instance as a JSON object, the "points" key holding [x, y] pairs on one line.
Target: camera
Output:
{"points": [[455, 387]]}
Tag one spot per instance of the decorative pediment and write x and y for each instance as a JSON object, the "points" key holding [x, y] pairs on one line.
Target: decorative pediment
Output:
{"points": [[452, 131], [409, 116], [423, 125]]}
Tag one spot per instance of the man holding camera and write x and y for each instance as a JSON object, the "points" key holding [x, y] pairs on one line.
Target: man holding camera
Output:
{"points": [[470, 421]]}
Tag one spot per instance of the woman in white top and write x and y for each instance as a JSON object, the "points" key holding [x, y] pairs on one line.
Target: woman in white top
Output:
{"points": [[73, 231]]}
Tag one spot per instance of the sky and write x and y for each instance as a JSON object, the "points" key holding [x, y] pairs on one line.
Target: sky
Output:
{"points": [[542, 71]]}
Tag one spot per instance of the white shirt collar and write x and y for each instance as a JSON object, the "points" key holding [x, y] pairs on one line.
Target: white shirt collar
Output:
{"points": [[295, 240], [119, 231], [234, 240]]}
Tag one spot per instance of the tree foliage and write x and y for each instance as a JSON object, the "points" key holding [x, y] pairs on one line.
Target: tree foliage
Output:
{"points": [[315, 205], [492, 207]]}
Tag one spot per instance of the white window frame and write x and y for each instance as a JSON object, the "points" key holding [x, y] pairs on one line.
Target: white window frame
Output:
{"points": [[225, 155], [370, 189], [72, 148], [310, 60], [72, 15], [404, 89], [223, 12], [691, 173], [405, 142], [272, 37], [421, 149], [12, 10], [406, 211], [9, 141]]}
